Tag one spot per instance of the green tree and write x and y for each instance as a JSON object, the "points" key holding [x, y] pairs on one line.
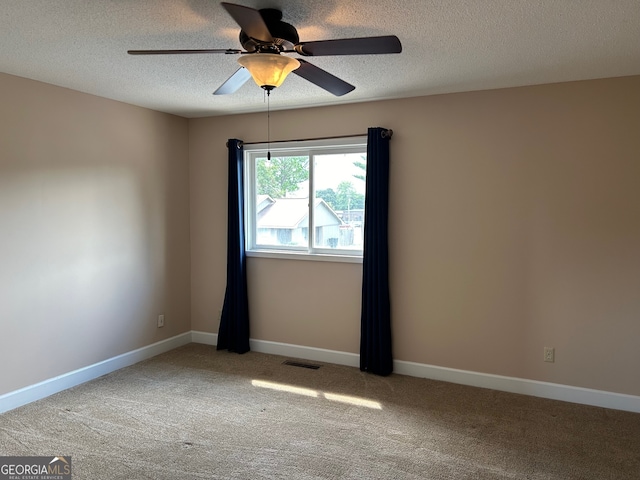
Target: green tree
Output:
{"points": [[281, 175], [347, 198], [358, 201], [362, 166], [329, 196]]}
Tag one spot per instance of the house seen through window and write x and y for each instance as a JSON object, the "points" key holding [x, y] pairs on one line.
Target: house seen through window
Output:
{"points": [[308, 198]]}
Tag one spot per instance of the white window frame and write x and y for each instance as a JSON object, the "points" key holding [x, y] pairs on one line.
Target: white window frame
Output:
{"points": [[309, 148]]}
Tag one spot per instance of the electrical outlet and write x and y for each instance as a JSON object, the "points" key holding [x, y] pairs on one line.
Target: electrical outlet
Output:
{"points": [[160, 321], [549, 354]]}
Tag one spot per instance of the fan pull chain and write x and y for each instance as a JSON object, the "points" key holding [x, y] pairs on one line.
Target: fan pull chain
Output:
{"points": [[268, 126]]}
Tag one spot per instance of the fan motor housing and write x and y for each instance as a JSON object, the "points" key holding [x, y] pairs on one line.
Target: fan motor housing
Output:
{"points": [[285, 36]]}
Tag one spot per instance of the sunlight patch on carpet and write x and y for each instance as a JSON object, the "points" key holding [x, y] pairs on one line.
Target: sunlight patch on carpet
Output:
{"points": [[284, 388], [360, 402], [334, 397]]}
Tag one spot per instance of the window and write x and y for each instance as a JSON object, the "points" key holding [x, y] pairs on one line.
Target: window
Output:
{"points": [[280, 219]]}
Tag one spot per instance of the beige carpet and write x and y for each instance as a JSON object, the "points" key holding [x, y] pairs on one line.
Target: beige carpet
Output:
{"points": [[196, 413]]}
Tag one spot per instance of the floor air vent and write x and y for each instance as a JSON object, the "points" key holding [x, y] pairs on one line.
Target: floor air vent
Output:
{"points": [[310, 366]]}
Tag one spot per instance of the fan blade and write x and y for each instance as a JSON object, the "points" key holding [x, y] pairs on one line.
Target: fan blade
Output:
{"points": [[322, 78], [173, 52], [250, 21], [234, 82], [351, 46]]}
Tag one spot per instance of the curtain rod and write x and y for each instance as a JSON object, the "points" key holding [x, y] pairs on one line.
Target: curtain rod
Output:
{"points": [[385, 133]]}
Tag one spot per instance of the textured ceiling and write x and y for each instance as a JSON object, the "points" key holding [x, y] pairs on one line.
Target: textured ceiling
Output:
{"points": [[448, 46]]}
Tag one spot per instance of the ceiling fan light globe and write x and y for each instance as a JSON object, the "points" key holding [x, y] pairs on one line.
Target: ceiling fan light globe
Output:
{"points": [[268, 70]]}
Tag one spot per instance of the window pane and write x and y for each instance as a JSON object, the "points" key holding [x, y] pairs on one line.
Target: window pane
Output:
{"points": [[287, 214], [339, 192], [282, 201]]}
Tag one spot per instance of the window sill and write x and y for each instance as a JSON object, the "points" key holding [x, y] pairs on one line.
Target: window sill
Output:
{"points": [[316, 257]]}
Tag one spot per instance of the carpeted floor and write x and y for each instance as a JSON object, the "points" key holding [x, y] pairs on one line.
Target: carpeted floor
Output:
{"points": [[196, 413]]}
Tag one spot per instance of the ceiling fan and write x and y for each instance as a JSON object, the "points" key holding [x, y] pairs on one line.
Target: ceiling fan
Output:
{"points": [[265, 37]]}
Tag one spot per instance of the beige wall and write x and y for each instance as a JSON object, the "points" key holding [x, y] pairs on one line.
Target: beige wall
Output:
{"points": [[94, 229], [514, 225]]}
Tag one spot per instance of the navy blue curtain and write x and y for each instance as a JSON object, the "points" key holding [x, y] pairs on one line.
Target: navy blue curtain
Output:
{"points": [[233, 333], [375, 326]]}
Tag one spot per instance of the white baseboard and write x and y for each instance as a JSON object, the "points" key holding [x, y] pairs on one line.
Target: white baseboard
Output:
{"points": [[29, 394], [553, 391], [306, 353], [287, 350], [204, 337]]}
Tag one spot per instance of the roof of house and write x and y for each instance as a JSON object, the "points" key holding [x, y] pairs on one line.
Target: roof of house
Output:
{"points": [[288, 212], [262, 202]]}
